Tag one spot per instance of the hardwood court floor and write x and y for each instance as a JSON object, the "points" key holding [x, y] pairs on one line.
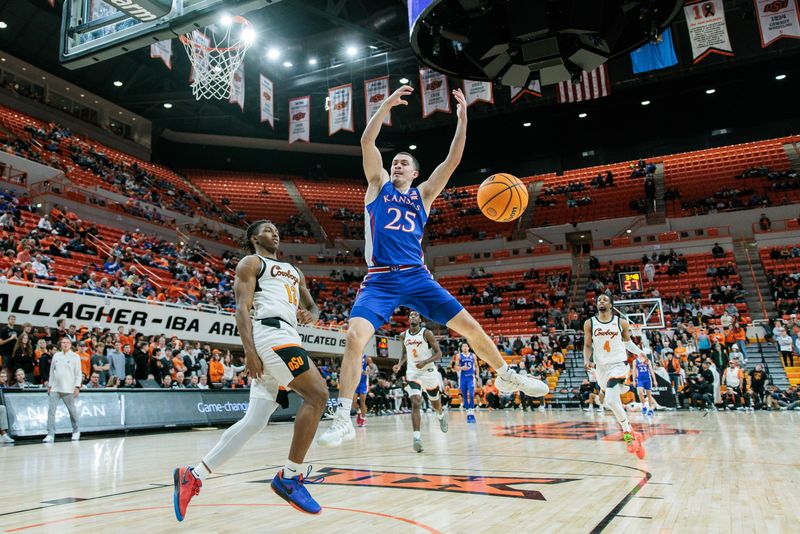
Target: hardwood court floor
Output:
{"points": [[512, 472]]}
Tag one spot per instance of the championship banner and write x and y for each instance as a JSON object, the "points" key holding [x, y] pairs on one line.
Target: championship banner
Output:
{"points": [[200, 45], [375, 92], [266, 96], [163, 51], [237, 87], [299, 123], [534, 88], [340, 109], [708, 31], [435, 92], [478, 92], [776, 19]]}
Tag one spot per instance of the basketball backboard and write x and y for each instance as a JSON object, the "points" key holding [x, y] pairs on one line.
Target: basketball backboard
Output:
{"points": [[642, 314], [96, 30]]}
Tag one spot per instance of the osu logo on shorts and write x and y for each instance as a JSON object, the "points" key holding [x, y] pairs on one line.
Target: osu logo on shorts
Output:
{"points": [[295, 363]]}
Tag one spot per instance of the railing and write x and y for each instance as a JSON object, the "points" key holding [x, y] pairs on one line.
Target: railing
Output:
{"points": [[13, 176], [755, 283], [783, 225], [502, 254], [677, 236]]}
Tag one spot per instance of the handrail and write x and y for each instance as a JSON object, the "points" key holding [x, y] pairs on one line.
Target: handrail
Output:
{"points": [[629, 228], [578, 273], [755, 283], [783, 225]]}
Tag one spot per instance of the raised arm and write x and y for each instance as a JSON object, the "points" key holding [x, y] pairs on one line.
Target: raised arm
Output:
{"points": [[243, 287], [433, 186], [371, 157], [308, 312]]}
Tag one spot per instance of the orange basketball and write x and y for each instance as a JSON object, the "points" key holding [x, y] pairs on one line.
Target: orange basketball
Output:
{"points": [[502, 197]]}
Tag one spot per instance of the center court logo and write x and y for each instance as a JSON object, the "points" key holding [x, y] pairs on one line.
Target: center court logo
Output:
{"points": [[472, 484], [584, 430]]}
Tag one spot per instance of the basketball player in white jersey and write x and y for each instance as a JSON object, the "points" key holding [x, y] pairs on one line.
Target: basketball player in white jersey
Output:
{"points": [[421, 350], [271, 298], [606, 339]]}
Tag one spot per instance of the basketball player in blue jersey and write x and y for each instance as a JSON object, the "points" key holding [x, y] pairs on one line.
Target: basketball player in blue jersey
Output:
{"points": [[465, 367], [361, 392], [395, 215], [644, 377]]}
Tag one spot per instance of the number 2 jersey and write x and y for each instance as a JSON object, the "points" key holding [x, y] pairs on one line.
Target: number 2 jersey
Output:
{"points": [[394, 224], [277, 291], [417, 350], [607, 344]]}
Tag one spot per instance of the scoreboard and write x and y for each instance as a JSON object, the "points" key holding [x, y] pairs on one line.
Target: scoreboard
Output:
{"points": [[630, 282]]}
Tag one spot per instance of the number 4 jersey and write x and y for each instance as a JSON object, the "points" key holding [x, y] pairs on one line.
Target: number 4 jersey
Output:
{"points": [[394, 224], [607, 344], [277, 291]]}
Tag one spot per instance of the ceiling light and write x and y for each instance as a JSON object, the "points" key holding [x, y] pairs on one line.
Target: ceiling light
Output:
{"points": [[24, 68], [226, 20], [82, 95], [117, 83], [526, 124], [402, 80], [248, 35], [44, 77], [582, 115], [628, 231], [541, 241], [167, 105], [412, 147], [582, 236], [710, 91], [645, 102], [780, 76], [273, 53], [120, 113], [312, 61], [3, 25], [287, 64], [2, 59], [351, 51], [67, 88]]}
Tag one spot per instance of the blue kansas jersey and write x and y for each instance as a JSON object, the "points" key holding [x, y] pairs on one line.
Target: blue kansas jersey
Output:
{"points": [[468, 361], [394, 223]]}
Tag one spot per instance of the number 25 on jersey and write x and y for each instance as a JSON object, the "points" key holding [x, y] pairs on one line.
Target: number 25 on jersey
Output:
{"points": [[408, 224]]}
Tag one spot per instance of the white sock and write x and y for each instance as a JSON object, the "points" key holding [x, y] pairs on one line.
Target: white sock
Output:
{"points": [[502, 370], [344, 407], [470, 411], [200, 472], [626, 425], [440, 415], [417, 434], [292, 469]]}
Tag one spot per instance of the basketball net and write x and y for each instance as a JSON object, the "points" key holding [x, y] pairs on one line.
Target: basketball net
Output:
{"points": [[213, 67]]}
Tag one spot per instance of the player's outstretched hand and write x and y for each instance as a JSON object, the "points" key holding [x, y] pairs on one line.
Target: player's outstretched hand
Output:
{"points": [[396, 98], [396, 369], [253, 365], [461, 107], [304, 316]]}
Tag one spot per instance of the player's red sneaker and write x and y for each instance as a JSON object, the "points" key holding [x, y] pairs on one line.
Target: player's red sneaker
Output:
{"points": [[360, 420], [635, 443], [186, 486]]}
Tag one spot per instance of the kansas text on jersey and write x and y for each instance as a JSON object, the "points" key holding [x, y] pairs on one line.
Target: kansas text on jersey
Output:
{"points": [[394, 224]]}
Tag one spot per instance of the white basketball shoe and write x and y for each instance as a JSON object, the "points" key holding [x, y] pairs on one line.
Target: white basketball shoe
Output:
{"points": [[512, 381], [340, 430]]}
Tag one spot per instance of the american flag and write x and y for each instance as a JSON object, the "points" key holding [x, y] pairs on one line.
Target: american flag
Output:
{"points": [[594, 84]]}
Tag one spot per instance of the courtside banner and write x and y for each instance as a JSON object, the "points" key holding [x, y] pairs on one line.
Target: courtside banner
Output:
{"points": [[237, 87], [266, 95], [340, 109], [375, 92], [776, 19], [163, 51], [435, 92], [134, 409], [299, 119], [478, 92], [708, 31], [534, 88]]}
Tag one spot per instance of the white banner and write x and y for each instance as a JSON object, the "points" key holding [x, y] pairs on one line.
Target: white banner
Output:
{"points": [[478, 92], [534, 88], [266, 95], [340, 109], [776, 19], [200, 45], [237, 87], [299, 123], [44, 307], [435, 92], [375, 92], [163, 51], [708, 31]]}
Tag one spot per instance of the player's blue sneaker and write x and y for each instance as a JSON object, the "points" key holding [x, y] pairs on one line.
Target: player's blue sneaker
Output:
{"points": [[293, 491], [644, 410], [470, 418], [649, 413]]}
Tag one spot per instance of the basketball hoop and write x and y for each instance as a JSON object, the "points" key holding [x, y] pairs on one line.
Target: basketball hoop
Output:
{"points": [[214, 67]]}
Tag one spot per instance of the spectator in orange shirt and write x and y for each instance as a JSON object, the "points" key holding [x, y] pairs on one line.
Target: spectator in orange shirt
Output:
{"points": [[716, 337], [177, 364], [215, 368], [492, 395], [740, 339], [558, 361], [124, 339], [86, 358]]}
